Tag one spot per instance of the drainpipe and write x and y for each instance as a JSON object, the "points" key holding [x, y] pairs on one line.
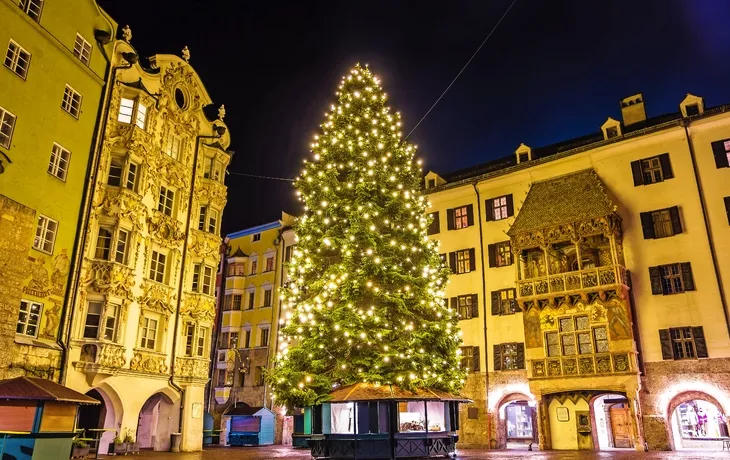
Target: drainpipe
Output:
{"points": [[713, 253], [64, 331], [484, 297], [219, 131], [217, 328]]}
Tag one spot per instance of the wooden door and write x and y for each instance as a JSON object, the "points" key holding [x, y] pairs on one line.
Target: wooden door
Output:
{"points": [[620, 425]]}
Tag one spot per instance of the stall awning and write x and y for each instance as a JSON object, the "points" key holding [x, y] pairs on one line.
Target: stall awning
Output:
{"points": [[370, 392], [241, 409], [35, 389], [570, 198]]}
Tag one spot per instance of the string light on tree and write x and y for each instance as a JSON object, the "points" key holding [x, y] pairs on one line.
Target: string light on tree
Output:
{"points": [[365, 301]]}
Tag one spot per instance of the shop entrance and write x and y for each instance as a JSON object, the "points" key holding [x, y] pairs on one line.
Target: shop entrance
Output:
{"points": [[613, 422], [699, 424], [520, 428]]}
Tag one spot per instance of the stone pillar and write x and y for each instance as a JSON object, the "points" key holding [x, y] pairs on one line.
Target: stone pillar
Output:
{"points": [[192, 419], [546, 258], [637, 428], [578, 254], [543, 423]]}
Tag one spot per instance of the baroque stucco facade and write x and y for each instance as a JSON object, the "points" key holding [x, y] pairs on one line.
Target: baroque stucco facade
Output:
{"points": [[143, 313]]}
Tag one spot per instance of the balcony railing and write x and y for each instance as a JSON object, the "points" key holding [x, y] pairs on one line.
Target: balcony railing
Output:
{"points": [[194, 368], [101, 357], [106, 276], [569, 366], [568, 282]]}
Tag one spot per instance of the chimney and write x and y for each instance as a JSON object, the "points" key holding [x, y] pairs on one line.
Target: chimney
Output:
{"points": [[632, 109]]}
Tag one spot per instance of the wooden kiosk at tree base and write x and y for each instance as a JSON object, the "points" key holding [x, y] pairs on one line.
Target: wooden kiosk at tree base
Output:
{"points": [[38, 418], [384, 421]]}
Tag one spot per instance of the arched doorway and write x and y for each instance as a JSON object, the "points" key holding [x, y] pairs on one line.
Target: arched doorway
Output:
{"points": [[517, 424], [697, 422], [101, 416], [611, 420], [157, 421]]}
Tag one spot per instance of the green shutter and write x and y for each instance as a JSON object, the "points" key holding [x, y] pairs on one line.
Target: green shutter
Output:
{"points": [[655, 277], [676, 220], [520, 355], [666, 341], [647, 225], [637, 173], [700, 345], [496, 308], [687, 280], [497, 357]]}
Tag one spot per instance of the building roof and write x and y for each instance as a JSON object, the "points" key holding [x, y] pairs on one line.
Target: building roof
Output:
{"points": [[370, 392], [238, 253], [241, 408], [256, 229], [569, 198], [35, 389]]}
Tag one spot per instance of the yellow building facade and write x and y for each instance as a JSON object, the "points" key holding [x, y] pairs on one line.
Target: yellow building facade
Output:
{"points": [[142, 317], [591, 277], [51, 87], [254, 272]]}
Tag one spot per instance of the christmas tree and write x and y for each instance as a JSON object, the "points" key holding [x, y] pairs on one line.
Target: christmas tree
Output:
{"points": [[365, 300]]}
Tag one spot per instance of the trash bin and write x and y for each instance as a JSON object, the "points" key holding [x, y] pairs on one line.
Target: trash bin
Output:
{"points": [[175, 442]]}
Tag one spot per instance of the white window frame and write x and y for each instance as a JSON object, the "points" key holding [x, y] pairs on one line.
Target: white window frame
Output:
{"points": [[499, 205], [173, 146], [270, 292], [169, 201], [212, 221], [33, 8], [29, 316], [82, 49], [145, 327], [261, 336], [71, 102], [6, 127], [59, 162], [46, 231], [155, 263], [16, 57]]}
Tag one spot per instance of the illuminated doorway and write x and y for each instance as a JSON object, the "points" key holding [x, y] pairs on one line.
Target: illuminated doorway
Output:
{"points": [[520, 428], [612, 417], [699, 425]]}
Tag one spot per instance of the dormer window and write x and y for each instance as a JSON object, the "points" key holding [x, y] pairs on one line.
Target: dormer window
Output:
{"points": [[611, 129], [431, 183], [692, 106], [693, 109], [611, 132], [524, 153]]}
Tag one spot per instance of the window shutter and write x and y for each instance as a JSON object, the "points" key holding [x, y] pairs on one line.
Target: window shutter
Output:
{"points": [[496, 310], [520, 356], [647, 225], [450, 219], [700, 345], [497, 357], [666, 166], [727, 208], [470, 215], [655, 276], [489, 205], [455, 304], [637, 173], [676, 221], [492, 250], [510, 206], [474, 306], [452, 262], [666, 340], [472, 260], [435, 225], [718, 149], [475, 359], [687, 281]]}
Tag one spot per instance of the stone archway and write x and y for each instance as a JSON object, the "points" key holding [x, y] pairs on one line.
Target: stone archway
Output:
{"points": [[157, 421], [676, 440], [527, 407], [605, 410], [106, 415]]}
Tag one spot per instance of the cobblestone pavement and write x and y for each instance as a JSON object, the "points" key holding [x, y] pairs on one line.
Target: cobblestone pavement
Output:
{"points": [[264, 453]]}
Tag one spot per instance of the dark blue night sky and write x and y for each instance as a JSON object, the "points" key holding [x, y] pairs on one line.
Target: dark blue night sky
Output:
{"points": [[552, 71]]}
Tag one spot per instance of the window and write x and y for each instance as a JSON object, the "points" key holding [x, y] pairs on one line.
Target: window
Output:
{"points": [[466, 306], [652, 170], [727, 207], [120, 256], [500, 208], [431, 183], [189, 338], [93, 325], [103, 244], [223, 341], [157, 267], [202, 219], [288, 251], [256, 237], [504, 303], [576, 337], [231, 269], [264, 334], [237, 300], [148, 333], [683, 343], [126, 110], [202, 337], [611, 132], [32, 8], [240, 269], [267, 298], [141, 120], [509, 356], [661, 223], [522, 157], [433, 228], [196, 279], [459, 218], [207, 167], [247, 339], [82, 49], [45, 234], [28, 318], [222, 377], [71, 101], [167, 198], [213, 221], [462, 261], [259, 376], [233, 340], [269, 264], [692, 110], [207, 282], [470, 359], [500, 254], [173, 146], [7, 124], [721, 151], [132, 176], [207, 279], [227, 304], [253, 266], [251, 296], [671, 278], [17, 59], [115, 172], [58, 166]]}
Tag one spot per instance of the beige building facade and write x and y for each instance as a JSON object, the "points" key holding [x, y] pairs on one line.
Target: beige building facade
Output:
{"points": [[592, 278], [143, 314]]}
